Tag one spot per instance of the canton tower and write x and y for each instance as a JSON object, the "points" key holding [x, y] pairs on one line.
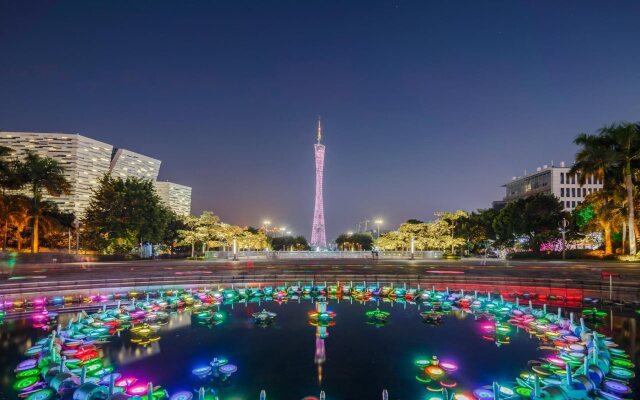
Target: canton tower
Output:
{"points": [[318, 236]]}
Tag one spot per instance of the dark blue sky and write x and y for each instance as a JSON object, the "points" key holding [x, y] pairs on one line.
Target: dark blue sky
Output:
{"points": [[426, 106]]}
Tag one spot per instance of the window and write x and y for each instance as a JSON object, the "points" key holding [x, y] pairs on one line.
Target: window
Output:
{"points": [[573, 192], [568, 205], [573, 204], [561, 177], [561, 192], [589, 190], [584, 192], [589, 179], [573, 179]]}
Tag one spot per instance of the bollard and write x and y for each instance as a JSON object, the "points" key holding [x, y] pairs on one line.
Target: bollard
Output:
{"points": [[150, 391], [385, 394], [201, 393], [263, 395], [322, 395]]}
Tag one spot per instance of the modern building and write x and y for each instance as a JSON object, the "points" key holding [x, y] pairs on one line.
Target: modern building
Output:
{"points": [[318, 235], [176, 197], [554, 180], [85, 161], [126, 163]]}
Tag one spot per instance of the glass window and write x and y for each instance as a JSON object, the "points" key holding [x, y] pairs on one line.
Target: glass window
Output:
{"points": [[568, 205], [573, 204], [573, 192], [589, 190], [589, 179], [561, 192], [584, 192], [561, 177], [573, 179]]}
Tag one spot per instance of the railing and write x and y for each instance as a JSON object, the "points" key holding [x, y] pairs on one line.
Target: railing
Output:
{"points": [[290, 255]]}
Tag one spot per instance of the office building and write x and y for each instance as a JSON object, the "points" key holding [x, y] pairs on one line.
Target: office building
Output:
{"points": [[176, 197], [554, 180], [126, 163], [84, 160]]}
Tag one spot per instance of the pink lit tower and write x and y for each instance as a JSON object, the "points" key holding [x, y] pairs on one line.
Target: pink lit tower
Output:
{"points": [[318, 236]]}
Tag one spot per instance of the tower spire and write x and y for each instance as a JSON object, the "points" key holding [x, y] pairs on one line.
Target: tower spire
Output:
{"points": [[319, 130]]}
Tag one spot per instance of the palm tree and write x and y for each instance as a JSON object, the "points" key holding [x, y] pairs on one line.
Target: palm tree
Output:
{"points": [[42, 174], [611, 155], [14, 212]]}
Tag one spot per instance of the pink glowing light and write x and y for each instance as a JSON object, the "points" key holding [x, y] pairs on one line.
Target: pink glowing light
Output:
{"points": [[138, 389], [448, 366], [125, 382]]}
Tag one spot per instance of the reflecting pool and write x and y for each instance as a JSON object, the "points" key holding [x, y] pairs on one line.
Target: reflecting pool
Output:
{"points": [[235, 344]]}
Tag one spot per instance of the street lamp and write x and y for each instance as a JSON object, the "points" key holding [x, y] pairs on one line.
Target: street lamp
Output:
{"points": [[266, 224], [378, 222]]}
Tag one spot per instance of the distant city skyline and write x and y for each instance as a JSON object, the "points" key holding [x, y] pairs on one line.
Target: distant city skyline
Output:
{"points": [[431, 105]]}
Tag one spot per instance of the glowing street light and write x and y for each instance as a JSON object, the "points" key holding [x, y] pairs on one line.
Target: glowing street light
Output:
{"points": [[266, 224], [378, 222]]}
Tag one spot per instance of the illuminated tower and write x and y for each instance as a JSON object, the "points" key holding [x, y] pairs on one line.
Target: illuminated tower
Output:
{"points": [[318, 237]]}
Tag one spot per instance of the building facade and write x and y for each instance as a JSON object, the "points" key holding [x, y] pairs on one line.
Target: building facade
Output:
{"points": [[126, 163], [554, 180], [84, 160], [176, 197]]}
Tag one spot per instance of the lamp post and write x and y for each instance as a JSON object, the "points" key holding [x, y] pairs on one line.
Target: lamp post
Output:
{"points": [[266, 224], [76, 224], [378, 222]]}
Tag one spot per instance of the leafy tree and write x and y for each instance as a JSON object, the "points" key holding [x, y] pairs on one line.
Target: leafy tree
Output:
{"points": [[390, 241], [612, 154], [124, 213], [477, 229], [452, 221], [41, 174], [532, 221], [358, 241], [189, 234], [287, 242]]}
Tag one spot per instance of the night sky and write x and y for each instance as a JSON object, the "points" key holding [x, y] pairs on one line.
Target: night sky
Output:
{"points": [[426, 106]]}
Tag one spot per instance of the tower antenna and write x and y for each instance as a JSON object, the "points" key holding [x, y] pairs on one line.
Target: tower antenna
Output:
{"points": [[319, 129]]}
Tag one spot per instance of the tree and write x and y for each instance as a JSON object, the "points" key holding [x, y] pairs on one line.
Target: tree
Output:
{"points": [[477, 229], [530, 221], [189, 234], [358, 241], [452, 220], [41, 174], [390, 241], [284, 243], [612, 154], [124, 213], [599, 212]]}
